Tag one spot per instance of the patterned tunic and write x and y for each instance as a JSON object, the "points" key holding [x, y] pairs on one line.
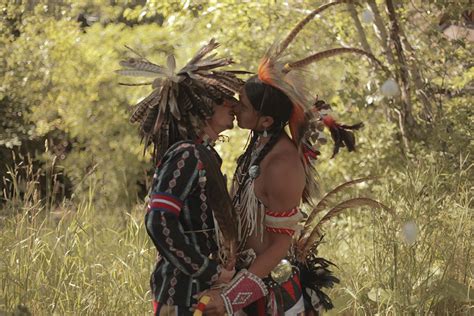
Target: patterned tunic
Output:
{"points": [[179, 220]]}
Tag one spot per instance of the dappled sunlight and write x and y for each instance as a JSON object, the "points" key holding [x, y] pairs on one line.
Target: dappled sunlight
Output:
{"points": [[74, 175]]}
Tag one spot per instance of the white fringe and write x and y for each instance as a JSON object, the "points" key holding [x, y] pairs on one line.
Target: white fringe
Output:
{"points": [[251, 211]]}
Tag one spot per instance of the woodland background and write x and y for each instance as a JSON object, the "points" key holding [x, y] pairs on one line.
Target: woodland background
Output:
{"points": [[74, 177]]}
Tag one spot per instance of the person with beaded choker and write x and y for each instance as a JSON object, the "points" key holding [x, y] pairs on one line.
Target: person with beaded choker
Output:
{"points": [[274, 177], [189, 208]]}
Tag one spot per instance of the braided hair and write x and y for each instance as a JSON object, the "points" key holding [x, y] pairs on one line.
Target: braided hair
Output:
{"points": [[268, 101]]}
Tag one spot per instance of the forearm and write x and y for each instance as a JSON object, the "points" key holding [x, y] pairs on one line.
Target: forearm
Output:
{"points": [[251, 280], [266, 261]]}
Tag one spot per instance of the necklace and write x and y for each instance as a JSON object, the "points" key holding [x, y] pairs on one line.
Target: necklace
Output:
{"points": [[248, 166]]}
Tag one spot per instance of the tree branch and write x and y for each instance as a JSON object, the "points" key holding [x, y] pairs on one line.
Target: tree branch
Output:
{"points": [[360, 29]]}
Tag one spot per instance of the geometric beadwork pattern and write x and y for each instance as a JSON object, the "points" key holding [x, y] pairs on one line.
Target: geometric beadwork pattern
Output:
{"points": [[178, 220]]}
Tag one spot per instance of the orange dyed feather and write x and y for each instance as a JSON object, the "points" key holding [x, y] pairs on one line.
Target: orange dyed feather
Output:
{"points": [[264, 71], [296, 121]]}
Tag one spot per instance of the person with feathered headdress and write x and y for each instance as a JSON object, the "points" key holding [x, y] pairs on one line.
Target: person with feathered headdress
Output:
{"points": [[190, 217], [274, 176]]}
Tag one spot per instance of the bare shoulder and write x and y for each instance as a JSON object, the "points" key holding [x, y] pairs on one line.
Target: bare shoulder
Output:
{"points": [[284, 179]]}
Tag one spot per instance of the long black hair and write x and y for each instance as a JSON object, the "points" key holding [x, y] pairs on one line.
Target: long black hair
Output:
{"points": [[269, 101]]}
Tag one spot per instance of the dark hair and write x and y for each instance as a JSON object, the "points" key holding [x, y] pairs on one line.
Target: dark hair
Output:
{"points": [[269, 101]]}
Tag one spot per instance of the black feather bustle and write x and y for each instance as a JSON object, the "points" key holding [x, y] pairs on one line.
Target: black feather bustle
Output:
{"points": [[316, 276]]}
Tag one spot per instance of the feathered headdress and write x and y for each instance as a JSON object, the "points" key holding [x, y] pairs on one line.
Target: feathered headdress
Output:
{"points": [[306, 123], [178, 108], [273, 71], [181, 102]]}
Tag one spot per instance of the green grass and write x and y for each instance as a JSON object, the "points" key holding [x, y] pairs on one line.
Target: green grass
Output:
{"points": [[78, 259], [82, 263]]}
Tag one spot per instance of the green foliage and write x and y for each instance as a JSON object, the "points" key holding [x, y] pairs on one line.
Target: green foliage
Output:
{"points": [[61, 105]]}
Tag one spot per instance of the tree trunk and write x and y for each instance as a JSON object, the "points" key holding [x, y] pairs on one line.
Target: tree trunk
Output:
{"points": [[417, 78], [381, 31], [407, 122], [360, 29]]}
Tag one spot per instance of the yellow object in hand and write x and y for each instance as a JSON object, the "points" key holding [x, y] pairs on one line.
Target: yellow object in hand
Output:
{"points": [[203, 301]]}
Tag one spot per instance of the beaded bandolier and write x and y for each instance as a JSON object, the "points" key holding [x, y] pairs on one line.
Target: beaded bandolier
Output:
{"points": [[189, 217]]}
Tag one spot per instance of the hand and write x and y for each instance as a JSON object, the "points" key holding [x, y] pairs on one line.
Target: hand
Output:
{"points": [[227, 272], [215, 307], [225, 276]]}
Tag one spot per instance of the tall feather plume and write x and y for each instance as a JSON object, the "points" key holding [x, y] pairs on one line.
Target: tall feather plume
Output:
{"points": [[310, 241], [330, 53], [271, 71], [291, 36], [324, 202]]}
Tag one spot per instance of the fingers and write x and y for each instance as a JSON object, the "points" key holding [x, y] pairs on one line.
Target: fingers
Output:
{"points": [[201, 294], [230, 264], [201, 305]]}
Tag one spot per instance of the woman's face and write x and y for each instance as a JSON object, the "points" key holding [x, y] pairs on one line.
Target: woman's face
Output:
{"points": [[223, 116], [247, 116]]}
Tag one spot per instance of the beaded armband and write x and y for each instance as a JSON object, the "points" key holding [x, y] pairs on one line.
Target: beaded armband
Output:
{"points": [[244, 289], [283, 222]]}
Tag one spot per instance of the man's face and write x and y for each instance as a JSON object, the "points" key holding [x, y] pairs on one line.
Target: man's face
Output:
{"points": [[247, 116], [223, 116]]}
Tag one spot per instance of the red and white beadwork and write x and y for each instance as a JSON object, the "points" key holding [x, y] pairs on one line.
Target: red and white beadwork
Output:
{"points": [[285, 222], [244, 289]]}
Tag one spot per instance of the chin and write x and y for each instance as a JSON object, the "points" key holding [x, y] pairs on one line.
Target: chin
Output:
{"points": [[243, 126]]}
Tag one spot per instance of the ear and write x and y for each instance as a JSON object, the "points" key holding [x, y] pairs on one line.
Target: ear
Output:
{"points": [[266, 121]]}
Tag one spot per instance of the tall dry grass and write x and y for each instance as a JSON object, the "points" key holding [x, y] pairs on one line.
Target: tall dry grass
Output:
{"points": [[77, 259], [418, 263], [74, 259]]}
